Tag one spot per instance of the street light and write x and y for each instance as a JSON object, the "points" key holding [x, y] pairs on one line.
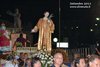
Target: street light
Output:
{"points": [[96, 24], [97, 18], [91, 30], [55, 39]]}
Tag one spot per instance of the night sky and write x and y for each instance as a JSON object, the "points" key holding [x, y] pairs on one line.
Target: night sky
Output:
{"points": [[71, 24]]}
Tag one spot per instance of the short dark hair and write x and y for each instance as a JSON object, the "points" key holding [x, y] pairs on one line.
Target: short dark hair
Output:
{"points": [[77, 61], [10, 57], [35, 59], [21, 35], [21, 53]]}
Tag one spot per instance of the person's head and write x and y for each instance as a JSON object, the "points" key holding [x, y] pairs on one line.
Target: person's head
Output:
{"points": [[3, 27], [28, 61], [17, 10], [36, 62], [21, 55], [21, 35], [46, 14], [76, 55], [58, 58], [80, 62], [10, 58], [94, 61], [25, 55]]}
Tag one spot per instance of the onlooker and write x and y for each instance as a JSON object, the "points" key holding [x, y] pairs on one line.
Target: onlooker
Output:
{"points": [[94, 61], [20, 40], [28, 63], [36, 62], [80, 62], [25, 59], [21, 60], [58, 60], [25, 56], [11, 62], [76, 56]]}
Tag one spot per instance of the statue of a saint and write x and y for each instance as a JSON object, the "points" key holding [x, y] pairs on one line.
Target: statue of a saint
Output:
{"points": [[17, 20], [46, 27]]}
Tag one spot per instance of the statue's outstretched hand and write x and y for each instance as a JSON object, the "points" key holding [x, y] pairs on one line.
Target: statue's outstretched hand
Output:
{"points": [[33, 31]]}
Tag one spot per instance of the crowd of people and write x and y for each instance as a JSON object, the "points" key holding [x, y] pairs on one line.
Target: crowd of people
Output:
{"points": [[23, 60], [90, 61]]}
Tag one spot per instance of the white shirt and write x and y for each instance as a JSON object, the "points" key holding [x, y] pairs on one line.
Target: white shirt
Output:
{"points": [[9, 64]]}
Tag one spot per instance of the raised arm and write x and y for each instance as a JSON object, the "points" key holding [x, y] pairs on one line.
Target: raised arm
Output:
{"points": [[10, 13]]}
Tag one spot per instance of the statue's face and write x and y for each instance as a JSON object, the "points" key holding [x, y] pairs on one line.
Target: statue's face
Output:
{"points": [[46, 14], [17, 11]]}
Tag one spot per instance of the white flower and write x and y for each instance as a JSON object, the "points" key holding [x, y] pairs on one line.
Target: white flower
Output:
{"points": [[43, 61], [46, 55], [45, 58]]}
